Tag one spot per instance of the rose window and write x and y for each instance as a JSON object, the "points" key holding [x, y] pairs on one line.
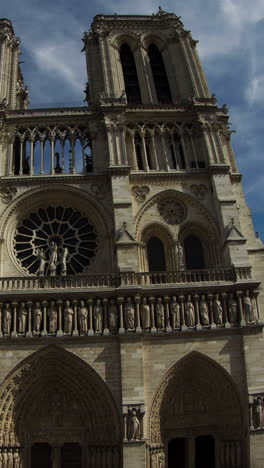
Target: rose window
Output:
{"points": [[173, 212], [55, 241]]}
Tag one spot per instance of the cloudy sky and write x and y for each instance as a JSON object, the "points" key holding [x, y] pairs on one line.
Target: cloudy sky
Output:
{"points": [[231, 37]]}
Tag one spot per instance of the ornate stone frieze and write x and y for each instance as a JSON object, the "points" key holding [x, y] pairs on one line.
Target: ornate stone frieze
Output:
{"points": [[172, 211], [140, 192]]}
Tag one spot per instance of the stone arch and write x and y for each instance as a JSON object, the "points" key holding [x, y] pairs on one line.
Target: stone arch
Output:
{"points": [[197, 216], [198, 397], [165, 236], [54, 396], [72, 197]]}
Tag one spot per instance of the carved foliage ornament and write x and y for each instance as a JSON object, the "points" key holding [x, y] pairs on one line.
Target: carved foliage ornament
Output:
{"points": [[140, 192], [199, 191], [172, 211]]}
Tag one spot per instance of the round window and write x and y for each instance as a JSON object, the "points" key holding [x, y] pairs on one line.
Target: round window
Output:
{"points": [[55, 240]]}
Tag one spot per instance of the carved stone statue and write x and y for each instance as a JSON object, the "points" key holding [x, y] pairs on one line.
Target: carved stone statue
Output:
{"points": [[53, 316], [133, 425], [248, 308], [189, 312], [98, 316], [68, 317], [16, 459], [53, 260], [204, 312], [259, 413], [7, 317], [37, 317], [180, 256], [22, 318], [42, 261], [232, 309], [217, 310], [112, 315], [82, 316], [63, 260], [160, 317], [129, 314], [175, 313], [145, 314]]}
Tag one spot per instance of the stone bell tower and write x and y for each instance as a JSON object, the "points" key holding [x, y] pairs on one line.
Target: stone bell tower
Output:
{"points": [[131, 313], [13, 94]]}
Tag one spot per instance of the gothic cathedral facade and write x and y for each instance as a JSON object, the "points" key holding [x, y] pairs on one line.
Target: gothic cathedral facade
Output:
{"points": [[131, 313]]}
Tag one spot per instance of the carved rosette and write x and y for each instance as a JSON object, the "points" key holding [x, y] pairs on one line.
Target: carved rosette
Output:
{"points": [[7, 194], [199, 191], [140, 192], [172, 211]]}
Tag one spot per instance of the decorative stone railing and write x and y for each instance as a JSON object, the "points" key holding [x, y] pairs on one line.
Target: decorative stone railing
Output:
{"points": [[113, 280], [134, 313]]}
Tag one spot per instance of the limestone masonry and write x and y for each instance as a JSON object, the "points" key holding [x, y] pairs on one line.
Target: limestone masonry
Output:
{"points": [[131, 313]]}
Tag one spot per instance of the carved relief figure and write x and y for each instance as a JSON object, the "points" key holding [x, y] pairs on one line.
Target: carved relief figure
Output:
{"points": [[204, 312], [16, 459], [160, 320], [232, 309], [22, 318], [217, 310], [145, 314], [63, 260], [175, 313], [112, 315], [129, 314], [53, 315], [189, 312], [259, 413], [133, 425], [68, 317], [82, 316], [42, 261], [248, 308], [7, 316], [53, 261], [37, 316], [98, 316]]}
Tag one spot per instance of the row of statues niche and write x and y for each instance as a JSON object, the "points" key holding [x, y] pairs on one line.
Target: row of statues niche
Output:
{"points": [[257, 413], [49, 266], [96, 315], [10, 457]]}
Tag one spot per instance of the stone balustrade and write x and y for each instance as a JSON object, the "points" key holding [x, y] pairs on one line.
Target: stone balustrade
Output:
{"points": [[130, 314], [112, 280]]}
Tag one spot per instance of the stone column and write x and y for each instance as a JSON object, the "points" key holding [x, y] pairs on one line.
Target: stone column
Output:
{"points": [[138, 321], [241, 319], [120, 301], [59, 330], [44, 327], [197, 312], [225, 314], [167, 314], [29, 330], [91, 330], [14, 331], [1, 332], [75, 320], [106, 328], [183, 325], [152, 315]]}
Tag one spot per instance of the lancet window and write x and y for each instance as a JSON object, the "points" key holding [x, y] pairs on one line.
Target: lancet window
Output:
{"points": [[194, 255], [130, 75], [156, 255], [159, 75], [51, 150]]}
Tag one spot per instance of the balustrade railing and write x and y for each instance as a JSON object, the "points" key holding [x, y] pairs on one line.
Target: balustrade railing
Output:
{"points": [[114, 280], [128, 314]]}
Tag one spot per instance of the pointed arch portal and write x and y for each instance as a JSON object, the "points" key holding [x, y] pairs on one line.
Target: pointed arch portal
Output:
{"points": [[196, 418], [55, 409]]}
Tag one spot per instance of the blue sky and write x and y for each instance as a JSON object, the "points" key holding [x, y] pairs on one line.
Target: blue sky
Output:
{"points": [[231, 37]]}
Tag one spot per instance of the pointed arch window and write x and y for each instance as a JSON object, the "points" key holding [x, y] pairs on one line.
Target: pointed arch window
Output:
{"points": [[194, 254], [159, 75], [130, 75], [177, 154], [156, 254], [139, 152]]}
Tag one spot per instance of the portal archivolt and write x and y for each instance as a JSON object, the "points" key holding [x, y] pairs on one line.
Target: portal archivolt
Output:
{"points": [[55, 398], [197, 399]]}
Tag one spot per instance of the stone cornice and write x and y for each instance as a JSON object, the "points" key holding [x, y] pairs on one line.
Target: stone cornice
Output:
{"points": [[236, 177], [52, 179], [219, 169], [119, 170]]}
